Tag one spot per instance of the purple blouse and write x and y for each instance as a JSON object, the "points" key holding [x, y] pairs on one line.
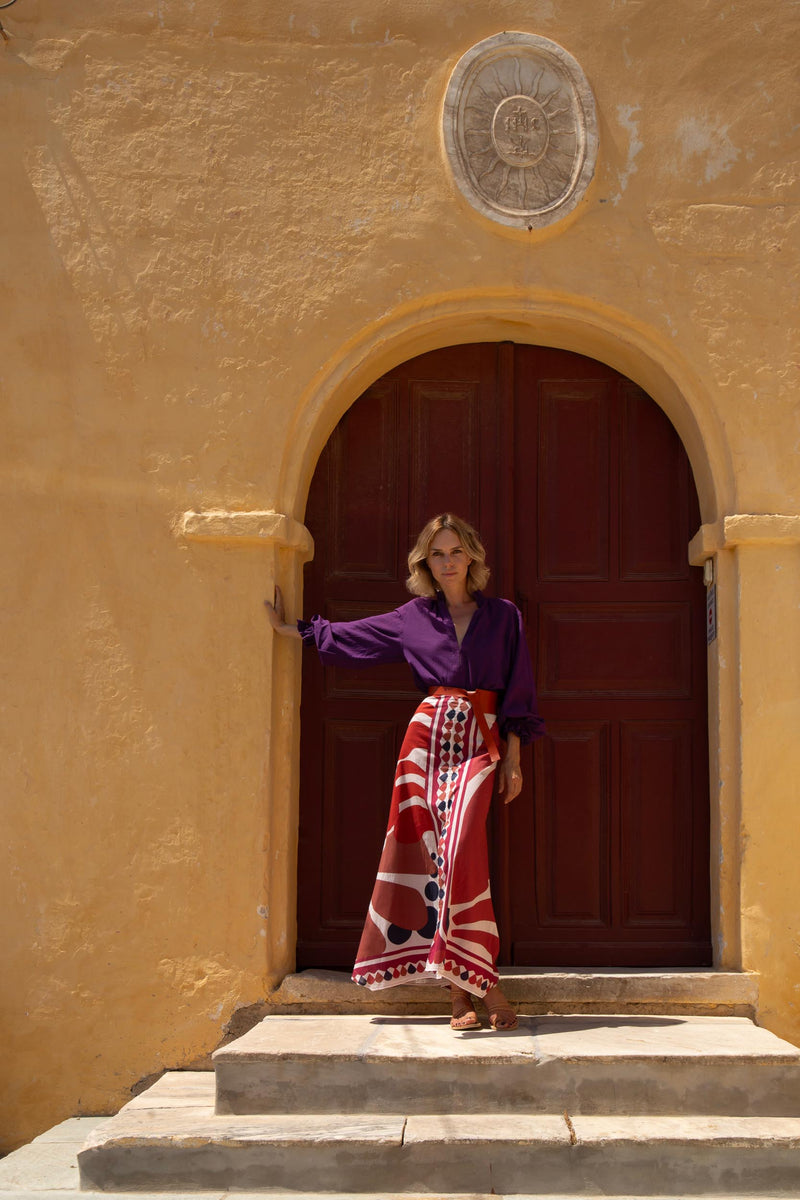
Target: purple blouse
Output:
{"points": [[493, 654]]}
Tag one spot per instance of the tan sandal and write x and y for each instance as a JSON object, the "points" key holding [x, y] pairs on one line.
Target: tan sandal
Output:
{"points": [[464, 1016], [502, 1016]]}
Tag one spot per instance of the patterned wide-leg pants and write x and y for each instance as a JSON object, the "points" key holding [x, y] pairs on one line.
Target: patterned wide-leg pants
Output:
{"points": [[431, 914]]}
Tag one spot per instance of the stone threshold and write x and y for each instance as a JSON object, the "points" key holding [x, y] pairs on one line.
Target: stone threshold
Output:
{"points": [[685, 992]]}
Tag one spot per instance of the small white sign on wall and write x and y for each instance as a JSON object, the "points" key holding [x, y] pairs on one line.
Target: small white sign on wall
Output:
{"points": [[711, 613]]}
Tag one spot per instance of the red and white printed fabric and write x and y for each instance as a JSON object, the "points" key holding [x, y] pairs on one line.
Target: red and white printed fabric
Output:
{"points": [[431, 914]]}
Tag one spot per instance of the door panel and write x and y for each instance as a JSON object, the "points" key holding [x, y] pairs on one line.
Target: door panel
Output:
{"points": [[362, 533], [445, 422], [655, 812], [615, 650], [573, 482], [583, 494], [653, 464], [572, 832], [350, 748]]}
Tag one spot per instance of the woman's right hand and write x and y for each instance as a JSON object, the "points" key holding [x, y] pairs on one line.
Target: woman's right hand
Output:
{"points": [[277, 616]]}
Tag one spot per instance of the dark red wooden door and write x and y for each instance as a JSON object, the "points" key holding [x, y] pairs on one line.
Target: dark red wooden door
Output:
{"points": [[584, 497]]}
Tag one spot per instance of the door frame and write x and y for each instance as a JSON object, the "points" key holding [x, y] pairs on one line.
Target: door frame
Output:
{"points": [[620, 341]]}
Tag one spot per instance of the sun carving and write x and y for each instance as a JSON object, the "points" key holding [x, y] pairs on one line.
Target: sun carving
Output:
{"points": [[520, 129]]}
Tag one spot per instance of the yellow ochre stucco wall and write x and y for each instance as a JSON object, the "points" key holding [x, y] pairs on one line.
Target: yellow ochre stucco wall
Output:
{"points": [[219, 221]]}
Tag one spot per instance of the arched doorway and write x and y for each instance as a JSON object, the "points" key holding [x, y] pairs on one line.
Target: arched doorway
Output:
{"points": [[585, 499]]}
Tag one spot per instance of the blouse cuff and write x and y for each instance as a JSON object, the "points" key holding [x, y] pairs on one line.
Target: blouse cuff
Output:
{"points": [[306, 630], [527, 729]]}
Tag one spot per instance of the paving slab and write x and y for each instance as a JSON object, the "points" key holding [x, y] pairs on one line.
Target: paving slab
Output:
{"points": [[678, 1154], [49, 1164], [194, 1148], [194, 1090], [158, 1126], [177, 1089], [74, 1129], [689, 1156], [79, 1194], [40, 1164], [682, 1130], [486, 1129], [582, 1063]]}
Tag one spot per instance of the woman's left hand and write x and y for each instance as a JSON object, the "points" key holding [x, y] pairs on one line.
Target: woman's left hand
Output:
{"points": [[510, 782]]}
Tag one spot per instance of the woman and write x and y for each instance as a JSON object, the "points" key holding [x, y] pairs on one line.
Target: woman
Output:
{"points": [[431, 911]]}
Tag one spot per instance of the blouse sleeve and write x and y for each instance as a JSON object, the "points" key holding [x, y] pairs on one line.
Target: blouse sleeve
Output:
{"points": [[356, 643], [518, 711]]}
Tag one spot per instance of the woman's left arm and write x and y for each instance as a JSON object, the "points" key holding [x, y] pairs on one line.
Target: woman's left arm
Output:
{"points": [[510, 781], [518, 715], [518, 712]]}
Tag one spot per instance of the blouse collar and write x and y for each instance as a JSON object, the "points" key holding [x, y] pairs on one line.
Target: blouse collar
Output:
{"points": [[440, 603]]}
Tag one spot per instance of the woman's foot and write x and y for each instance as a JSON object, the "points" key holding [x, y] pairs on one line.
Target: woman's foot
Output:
{"points": [[464, 1015], [501, 1015]]}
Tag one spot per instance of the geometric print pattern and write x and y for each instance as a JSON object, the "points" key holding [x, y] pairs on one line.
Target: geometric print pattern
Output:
{"points": [[431, 914]]}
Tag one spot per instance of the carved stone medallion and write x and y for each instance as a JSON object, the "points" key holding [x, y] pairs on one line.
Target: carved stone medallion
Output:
{"points": [[520, 129]]}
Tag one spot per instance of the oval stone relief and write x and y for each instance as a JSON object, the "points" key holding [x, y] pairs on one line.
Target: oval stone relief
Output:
{"points": [[520, 129]]}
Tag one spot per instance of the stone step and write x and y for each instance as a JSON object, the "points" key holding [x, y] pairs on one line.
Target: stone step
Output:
{"points": [[685, 992], [582, 1064], [187, 1146]]}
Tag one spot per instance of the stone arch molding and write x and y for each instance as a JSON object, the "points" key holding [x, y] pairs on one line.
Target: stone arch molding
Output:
{"points": [[520, 129], [564, 323], [561, 322]]}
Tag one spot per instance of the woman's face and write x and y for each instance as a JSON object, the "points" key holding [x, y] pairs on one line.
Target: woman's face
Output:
{"points": [[447, 559]]}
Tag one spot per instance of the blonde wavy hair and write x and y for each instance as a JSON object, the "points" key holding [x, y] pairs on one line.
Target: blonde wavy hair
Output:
{"points": [[420, 581]]}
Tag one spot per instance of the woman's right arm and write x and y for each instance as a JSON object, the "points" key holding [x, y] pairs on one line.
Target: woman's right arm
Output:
{"points": [[277, 616], [360, 643]]}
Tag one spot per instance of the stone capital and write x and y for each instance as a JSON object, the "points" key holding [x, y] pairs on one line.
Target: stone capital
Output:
{"points": [[260, 527]]}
